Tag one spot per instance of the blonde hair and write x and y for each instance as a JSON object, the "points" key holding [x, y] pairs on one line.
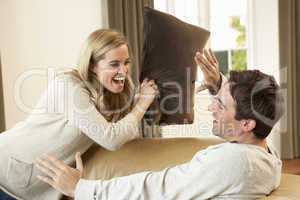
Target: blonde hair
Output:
{"points": [[112, 106]]}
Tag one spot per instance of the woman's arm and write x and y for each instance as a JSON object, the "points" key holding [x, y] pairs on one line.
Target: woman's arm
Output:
{"points": [[82, 113]]}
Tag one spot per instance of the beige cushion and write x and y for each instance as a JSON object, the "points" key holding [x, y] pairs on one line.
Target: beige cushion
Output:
{"points": [[156, 154], [289, 188]]}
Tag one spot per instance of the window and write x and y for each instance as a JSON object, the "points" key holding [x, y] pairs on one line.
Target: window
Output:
{"points": [[227, 25], [228, 33]]}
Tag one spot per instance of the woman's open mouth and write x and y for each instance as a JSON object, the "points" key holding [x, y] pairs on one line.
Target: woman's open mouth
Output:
{"points": [[119, 80]]}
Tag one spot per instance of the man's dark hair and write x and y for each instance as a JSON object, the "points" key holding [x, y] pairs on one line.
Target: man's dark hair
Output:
{"points": [[257, 97]]}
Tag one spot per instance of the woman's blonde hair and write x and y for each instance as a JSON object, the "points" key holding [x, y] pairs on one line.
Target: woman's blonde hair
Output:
{"points": [[112, 106]]}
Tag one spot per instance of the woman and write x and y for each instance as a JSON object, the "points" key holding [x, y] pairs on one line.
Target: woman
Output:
{"points": [[91, 104]]}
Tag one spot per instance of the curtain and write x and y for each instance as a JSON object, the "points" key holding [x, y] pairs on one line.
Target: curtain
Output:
{"points": [[289, 35], [2, 119], [126, 16]]}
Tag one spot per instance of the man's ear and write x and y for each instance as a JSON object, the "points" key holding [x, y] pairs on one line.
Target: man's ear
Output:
{"points": [[248, 125]]}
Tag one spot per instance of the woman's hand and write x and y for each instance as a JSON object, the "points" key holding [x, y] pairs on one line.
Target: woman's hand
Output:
{"points": [[148, 92], [209, 66], [59, 175]]}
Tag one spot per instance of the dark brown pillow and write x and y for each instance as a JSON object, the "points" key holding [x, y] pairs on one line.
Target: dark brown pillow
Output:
{"points": [[168, 58]]}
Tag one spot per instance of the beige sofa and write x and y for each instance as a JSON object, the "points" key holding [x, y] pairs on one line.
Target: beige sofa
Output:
{"points": [[155, 154]]}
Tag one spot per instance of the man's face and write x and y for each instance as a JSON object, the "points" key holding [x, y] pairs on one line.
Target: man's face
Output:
{"points": [[223, 111]]}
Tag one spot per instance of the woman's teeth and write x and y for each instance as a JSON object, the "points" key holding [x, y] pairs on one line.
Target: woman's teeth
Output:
{"points": [[119, 78]]}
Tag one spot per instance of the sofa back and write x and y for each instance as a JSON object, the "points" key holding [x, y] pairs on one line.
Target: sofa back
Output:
{"points": [[142, 155]]}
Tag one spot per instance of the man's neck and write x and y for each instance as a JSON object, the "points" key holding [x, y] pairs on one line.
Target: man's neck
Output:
{"points": [[250, 138]]}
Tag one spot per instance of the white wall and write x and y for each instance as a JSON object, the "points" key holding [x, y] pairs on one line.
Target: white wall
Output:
{"points": [[36, 34]]}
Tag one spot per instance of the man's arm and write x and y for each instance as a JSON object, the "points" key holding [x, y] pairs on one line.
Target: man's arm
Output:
{"points": [[209, 65], [207, 175]]}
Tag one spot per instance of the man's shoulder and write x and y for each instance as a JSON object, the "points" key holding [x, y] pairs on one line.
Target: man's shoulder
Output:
{"points": [[223, 159], [224, 151], [227, 147]]}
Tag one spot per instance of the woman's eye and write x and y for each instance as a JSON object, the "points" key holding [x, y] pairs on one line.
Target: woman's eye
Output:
{"points": [[127, 62], [114, 64]]}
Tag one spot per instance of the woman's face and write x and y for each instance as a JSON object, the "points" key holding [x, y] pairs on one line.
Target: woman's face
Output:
{"points": [[113, 69]]}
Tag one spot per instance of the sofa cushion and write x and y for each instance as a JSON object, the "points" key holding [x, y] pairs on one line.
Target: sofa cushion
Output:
{"points": [[288, 189], [168, 57]]}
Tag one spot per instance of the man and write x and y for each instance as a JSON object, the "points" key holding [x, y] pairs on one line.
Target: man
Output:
{"points": [[245, 109]]}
